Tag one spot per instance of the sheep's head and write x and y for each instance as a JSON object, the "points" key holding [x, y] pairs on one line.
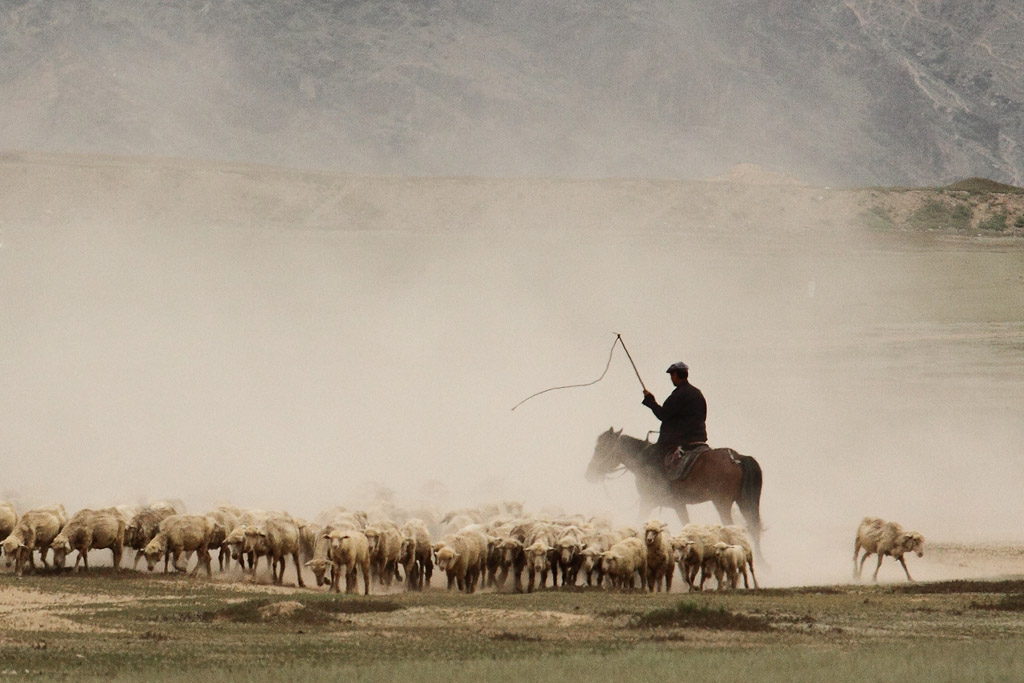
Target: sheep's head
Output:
{"points": [[610, 562], [446, 558], [61, 546], [373, 538], [408, 549], [537, 555], [11, 548], [590, 558], [255, 541], [319, 568], [720, 548], [653, 530], [510, 550], [217, 533], [569, 552], [154, 552], [911, 541]]}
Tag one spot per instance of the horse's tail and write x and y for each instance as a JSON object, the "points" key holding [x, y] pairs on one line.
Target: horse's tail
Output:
{"points": [[750, 492]]}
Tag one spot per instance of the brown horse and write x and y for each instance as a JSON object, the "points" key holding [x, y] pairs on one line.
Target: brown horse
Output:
{"points": [[720, 475]]}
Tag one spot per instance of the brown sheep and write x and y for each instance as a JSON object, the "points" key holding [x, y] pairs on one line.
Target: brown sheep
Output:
{"points": [[876, 536], [659, 556], [417, 554], [731, 562]]}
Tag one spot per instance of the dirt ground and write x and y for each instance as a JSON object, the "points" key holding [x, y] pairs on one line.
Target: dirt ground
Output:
{"points": [[52, 604]]}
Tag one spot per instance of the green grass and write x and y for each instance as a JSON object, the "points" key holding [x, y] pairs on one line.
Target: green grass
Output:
{"points": [[902, 663]]}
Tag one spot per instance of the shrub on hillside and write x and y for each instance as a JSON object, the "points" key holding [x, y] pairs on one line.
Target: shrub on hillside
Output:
{"points": [[940, 215]]}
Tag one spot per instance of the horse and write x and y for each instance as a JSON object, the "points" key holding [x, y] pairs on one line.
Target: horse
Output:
{"points": [[720, 475]]}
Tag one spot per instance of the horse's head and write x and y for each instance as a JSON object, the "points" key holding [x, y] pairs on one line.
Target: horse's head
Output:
{"points": [[606, 455]]}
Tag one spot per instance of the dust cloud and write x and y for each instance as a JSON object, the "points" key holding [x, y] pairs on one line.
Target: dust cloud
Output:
{"points": [[302, 368]]}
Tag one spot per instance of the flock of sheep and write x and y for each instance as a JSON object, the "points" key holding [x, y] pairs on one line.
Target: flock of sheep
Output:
{"points": [[473, 547]]}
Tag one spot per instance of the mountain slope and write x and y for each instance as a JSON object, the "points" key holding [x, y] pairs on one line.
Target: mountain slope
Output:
{"points": [[864, 92]]}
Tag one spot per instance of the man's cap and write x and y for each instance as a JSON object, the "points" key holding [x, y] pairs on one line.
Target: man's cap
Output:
{"points": [[678, 367]]}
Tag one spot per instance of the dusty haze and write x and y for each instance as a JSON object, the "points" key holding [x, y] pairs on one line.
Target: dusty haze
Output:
{"points": [[298, 368]]}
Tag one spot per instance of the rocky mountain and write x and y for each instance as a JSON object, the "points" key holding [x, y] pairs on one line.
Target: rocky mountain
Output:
{"points": [[855, 93]]}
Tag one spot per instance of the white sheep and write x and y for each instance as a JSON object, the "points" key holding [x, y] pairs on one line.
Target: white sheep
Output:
{"points": [[537, 562], [876, 536], [180, 534], [460, 556], [737, 535], [624, 561], [385, 541], [277, 537], [546, 533], [227, 517], [143, 526], [692, 548], [90, 530], [350, 549], [731, 562]]}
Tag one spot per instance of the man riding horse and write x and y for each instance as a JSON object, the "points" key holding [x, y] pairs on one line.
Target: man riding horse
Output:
{"points": [[683, 414]]}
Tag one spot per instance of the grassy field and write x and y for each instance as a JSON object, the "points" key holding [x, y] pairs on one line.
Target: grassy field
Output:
{"points": [[132, 626]]}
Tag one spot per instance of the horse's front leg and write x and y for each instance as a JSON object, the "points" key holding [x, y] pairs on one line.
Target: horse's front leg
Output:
{"points": [[724, 511], [684, 516]]}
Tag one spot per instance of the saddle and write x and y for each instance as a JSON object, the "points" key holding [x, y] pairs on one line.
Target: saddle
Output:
{"points": [[678, 463]]}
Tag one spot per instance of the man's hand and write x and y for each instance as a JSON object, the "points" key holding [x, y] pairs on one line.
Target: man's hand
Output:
{"points": [[649, 399]]}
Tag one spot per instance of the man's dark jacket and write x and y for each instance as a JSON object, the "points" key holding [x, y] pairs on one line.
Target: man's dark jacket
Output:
{"points": [[683, 416]]}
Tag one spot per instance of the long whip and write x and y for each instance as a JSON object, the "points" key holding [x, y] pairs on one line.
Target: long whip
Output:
{"points": [[611, 352]]}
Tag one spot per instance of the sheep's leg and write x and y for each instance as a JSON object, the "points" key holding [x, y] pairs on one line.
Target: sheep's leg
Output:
{"points": [[856, 552], [863, 561], [138, 555], [118, 551], [904, 563], [878, 566], [752, 575], [298, 569]]}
